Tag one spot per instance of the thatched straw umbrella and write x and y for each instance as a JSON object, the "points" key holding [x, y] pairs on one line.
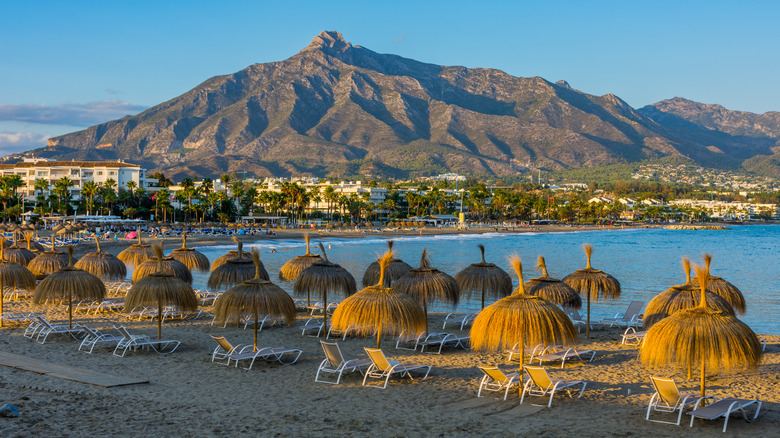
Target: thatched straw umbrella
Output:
{"points": [[725, 289], [380, 308], [192, 259], [48, 262], [594, 283], [254, 297], [428, 284], [161, 289], [681, 297], [711, 339], [552, 289], [70, 282], [13, 275], [32, 244], [521, 319], [103, 265], [136, 253], [294, 267], [167, 265], [395, 270], [484, 278], [19, 254], [321, 277], [232, 254], [235, 270]]}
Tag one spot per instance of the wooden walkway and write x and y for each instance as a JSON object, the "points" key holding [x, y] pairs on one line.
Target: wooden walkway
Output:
{"points": [[65, 372]]}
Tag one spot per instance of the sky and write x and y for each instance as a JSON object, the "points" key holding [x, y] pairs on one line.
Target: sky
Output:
{"points": [[65, 66]]}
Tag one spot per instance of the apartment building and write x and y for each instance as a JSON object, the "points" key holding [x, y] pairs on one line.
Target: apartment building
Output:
{"points": [[32, 169]]}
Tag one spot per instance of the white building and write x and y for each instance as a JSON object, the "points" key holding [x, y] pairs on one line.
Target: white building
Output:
{"points": [[79, 172]]}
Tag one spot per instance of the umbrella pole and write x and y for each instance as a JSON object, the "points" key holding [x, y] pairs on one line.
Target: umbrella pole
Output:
{"points": [[70, 309], [587, 327], [379, 336], [325, 312], [255, 331], [703, 385], [159, 317], [483, 298], [425, 308], [1, 300]]}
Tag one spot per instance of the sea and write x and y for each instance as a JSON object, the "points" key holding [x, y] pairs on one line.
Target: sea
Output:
{"points": [[646, 261]]}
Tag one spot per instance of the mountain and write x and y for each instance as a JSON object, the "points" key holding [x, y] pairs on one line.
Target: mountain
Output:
{"points": [[754, 139], [337, 109]]}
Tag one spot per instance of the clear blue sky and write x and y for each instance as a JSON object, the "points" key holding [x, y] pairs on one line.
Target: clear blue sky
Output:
{"points": [[68, 65]]}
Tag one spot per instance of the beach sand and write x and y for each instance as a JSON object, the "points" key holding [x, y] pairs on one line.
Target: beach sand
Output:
{"points": [[190, 396]]}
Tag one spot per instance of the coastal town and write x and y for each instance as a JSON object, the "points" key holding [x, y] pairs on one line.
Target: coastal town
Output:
{"points": [[44, 188]]}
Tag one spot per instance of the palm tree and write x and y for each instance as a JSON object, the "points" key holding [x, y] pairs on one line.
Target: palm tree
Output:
{"points": [[89, 190], [15, 181], [331, 197], [226, 178], [5, 192], [41, 185], [61, 190]]}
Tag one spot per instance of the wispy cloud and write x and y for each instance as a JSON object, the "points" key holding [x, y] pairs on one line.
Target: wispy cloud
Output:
{"points": [[112, 91], [75, 114], [400, 38], [11, 142]]}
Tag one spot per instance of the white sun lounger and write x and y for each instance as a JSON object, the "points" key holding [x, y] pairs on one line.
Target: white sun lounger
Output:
{"points": [[134, 342], [495, 380], [382, 368], [464, 320], [334, 363], [540, 384], [633, 337], [668, 399], [95, 337], [723, 408], [630, 318], [559, 353]]}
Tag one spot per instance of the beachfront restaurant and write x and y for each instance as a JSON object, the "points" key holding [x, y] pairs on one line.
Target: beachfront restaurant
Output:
{"points": [[438, 220]]}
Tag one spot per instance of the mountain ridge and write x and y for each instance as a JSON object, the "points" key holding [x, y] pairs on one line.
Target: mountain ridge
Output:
{"points": [[335, 106]]}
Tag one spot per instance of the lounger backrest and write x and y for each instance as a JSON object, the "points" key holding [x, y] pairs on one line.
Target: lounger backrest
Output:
{"points": [[573, 313], [667, 390], [333, 353], [539, 376], [123, 331], [222, 342], [378, 358], [633, 309], [494, 373]]}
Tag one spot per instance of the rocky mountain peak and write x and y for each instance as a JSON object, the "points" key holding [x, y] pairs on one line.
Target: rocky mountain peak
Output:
{"points": [[329, 39]]}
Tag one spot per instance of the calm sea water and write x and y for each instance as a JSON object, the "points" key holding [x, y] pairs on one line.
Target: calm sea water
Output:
{"points": [[645, 261]]}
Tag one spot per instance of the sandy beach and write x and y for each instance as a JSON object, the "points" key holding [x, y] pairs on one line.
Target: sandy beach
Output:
{"points": [[190, 396]]}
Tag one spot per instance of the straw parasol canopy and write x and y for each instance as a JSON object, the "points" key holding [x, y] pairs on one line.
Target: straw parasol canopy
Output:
{"points": [[103, 265], [193, 260], [380, 309], [484, 278], [254, 297], [428, 284], [552, 289], [166, 264], [136, 253], [160, 288], [294, 267], [71, 283], [395, 270], [321, 277], [593, 283], [19, 254], [12, 275], [232, 254], [235, 270], [521, 319], [725, 289], [681, 297], [700, 336], [48, 262]]}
